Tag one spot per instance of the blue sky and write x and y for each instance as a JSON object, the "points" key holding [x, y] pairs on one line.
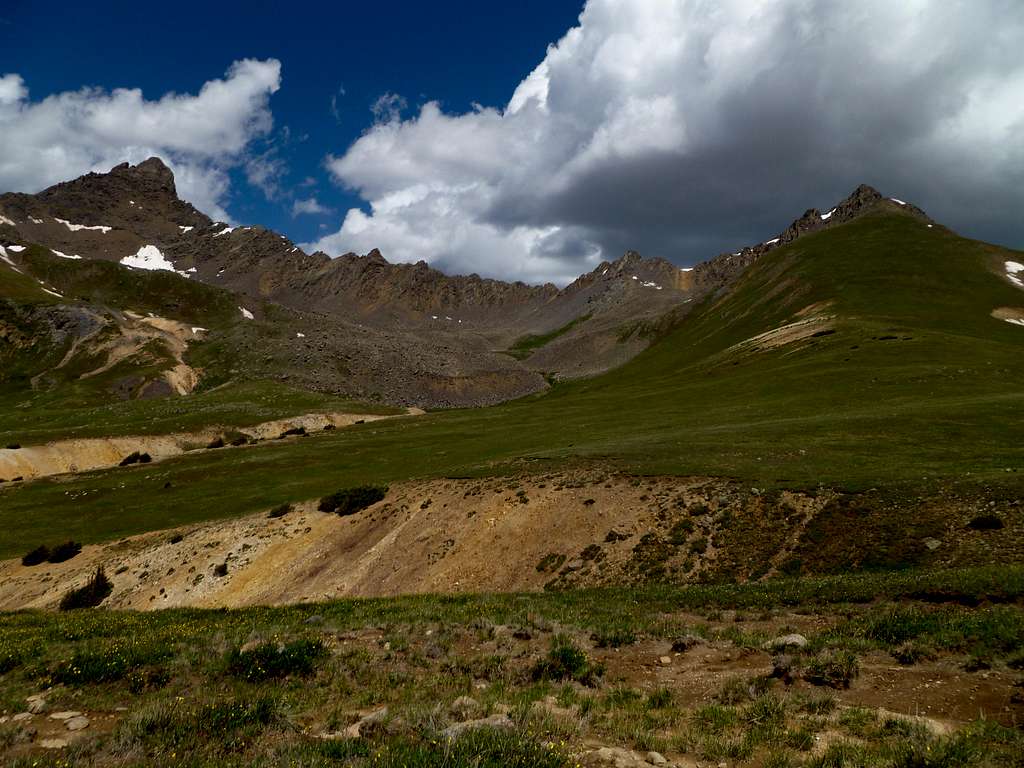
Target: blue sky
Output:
{"points": [[337, 60], [538, 138]]}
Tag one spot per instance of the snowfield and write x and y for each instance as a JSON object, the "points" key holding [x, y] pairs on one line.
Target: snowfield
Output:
{"points": [[149, 257]]}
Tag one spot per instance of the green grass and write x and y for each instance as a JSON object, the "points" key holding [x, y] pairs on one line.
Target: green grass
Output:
{"points": [[39, 418], [938, 405], [196, 695], [527, 345]]}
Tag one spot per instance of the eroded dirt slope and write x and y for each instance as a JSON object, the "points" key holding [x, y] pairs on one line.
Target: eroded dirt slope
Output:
{"points": [[528, 533]]}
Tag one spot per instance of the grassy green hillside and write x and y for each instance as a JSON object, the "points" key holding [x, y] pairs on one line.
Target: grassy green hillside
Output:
{"points": [[66, 406], [915, 386]]}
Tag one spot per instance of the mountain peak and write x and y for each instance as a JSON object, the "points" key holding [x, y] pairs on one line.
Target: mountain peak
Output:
{"points": [[152, 172]]}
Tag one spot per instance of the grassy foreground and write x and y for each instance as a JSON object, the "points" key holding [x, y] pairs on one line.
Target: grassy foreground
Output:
{"points": [[558, 673]]}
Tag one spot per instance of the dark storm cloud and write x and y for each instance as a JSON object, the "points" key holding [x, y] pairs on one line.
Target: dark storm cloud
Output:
{"points": [[685, 129]]}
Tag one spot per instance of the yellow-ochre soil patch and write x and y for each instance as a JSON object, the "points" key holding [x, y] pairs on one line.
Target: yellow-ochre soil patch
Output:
{"points": [[521, 533]]}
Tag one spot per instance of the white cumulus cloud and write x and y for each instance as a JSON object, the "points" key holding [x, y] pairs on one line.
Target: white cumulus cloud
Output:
{"points": [[685, 128], [200, 136]]}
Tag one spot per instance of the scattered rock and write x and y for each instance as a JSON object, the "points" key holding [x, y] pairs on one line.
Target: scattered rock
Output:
{"points": [[36, 704], [549, 706], [53, 743], [686, 642], [376, 717], [785, 668], [500, 722], [79, 723], [932, 544], [665, 661], [786, 641], [622, 758], [21, 717], [67, 715], [465, 708]]}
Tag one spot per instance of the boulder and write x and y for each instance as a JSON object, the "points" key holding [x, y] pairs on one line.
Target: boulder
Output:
{"points": [[499, 722], [786, 642], [465, 708]]}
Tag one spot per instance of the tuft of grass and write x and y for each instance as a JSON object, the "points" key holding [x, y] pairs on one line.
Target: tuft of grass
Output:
{"points": [[834, 668]]}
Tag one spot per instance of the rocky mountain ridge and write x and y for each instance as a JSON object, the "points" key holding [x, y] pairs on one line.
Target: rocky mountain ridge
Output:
{"points": [[407, 333]]}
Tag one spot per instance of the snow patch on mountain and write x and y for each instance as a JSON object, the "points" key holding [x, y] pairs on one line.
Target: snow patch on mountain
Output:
{"points": [[1013, 268], [149, 257], [79, 227]]}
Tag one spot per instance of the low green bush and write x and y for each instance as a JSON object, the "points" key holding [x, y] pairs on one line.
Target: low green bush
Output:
{"points": [[279, 511], [64, 552], [136, 458], [352, 500], [109, 662], [38, 555]]}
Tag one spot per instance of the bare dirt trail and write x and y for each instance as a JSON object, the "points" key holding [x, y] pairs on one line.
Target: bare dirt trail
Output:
{"points": [[86, 454]]}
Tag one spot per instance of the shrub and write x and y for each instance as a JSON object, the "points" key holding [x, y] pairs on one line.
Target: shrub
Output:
{"points": [[279, 511], [566, 662], [300, 431], [136, 458], [680, 532], [177, 538], [836, 669], [13, 446], [352, 500], [92, 594], [221, 569], [38, 555], [64, 552], [273, 660], [985, 523], [216, 443]]}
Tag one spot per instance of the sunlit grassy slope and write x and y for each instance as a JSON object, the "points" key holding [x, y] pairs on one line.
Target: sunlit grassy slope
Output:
{"points": [[918, 384]]}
